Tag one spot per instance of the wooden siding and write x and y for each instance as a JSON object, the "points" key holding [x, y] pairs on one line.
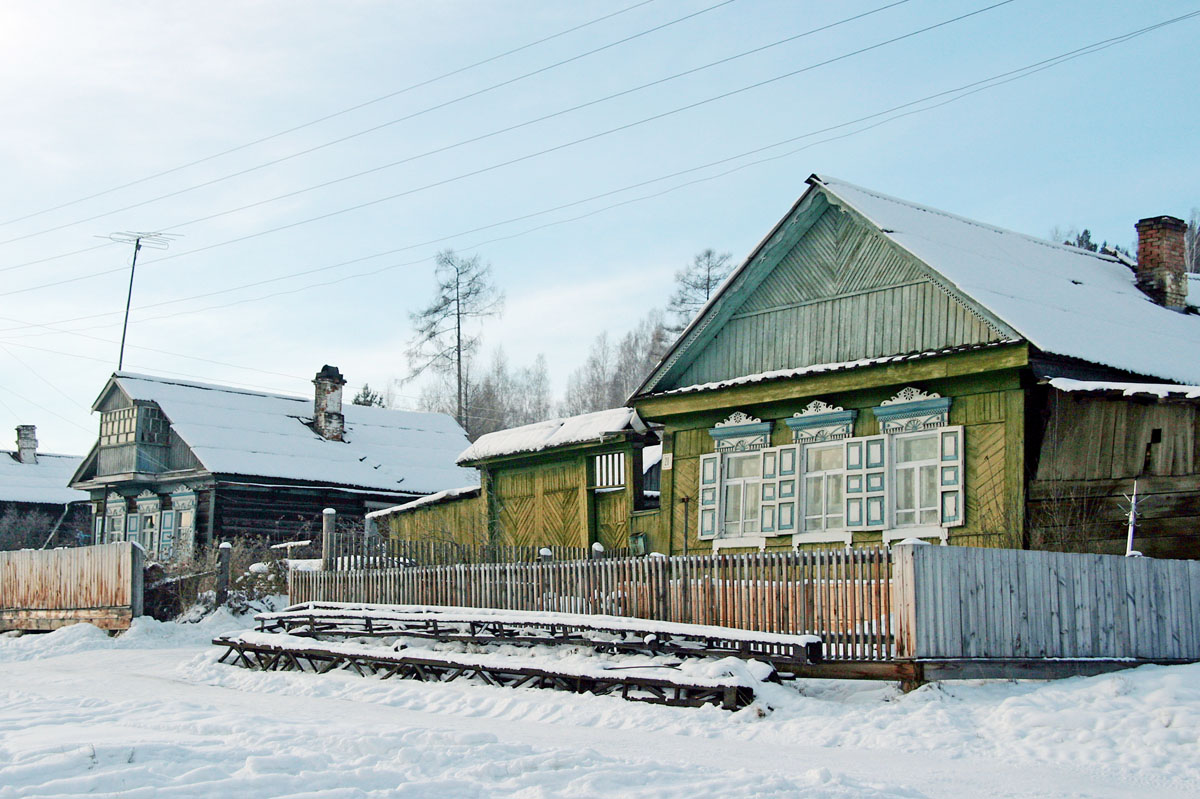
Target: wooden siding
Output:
{"points": [[990, 408], [44, 590], [961, 602], [612, 518], [1093, 449], [460, 521], [842, 293], [277, 514], [541, 505]]}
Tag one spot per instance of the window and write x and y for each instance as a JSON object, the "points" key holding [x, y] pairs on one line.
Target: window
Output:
{"points": [[908, 478], [742, 494], [610, 470], [917, 479], [143, 423], [824, 500]]}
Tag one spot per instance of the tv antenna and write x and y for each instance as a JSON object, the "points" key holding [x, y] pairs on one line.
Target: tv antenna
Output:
{"points": [[154, 241]]}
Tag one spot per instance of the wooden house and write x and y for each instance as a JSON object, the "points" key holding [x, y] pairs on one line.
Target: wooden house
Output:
{"points": [[36, 506], [178, 464], [564, 482], [878, 370]]}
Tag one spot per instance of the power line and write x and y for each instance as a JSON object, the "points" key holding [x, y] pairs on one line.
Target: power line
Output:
{"points": [[461, 143], [962, 91], [510, 162], [333, 115], [379, 127]]}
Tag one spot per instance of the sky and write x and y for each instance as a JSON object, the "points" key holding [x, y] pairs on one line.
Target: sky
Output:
{"points": [[311, 158]]}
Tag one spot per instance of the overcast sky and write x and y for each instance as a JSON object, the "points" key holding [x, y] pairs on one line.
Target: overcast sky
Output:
{"points": [[95, 96]]}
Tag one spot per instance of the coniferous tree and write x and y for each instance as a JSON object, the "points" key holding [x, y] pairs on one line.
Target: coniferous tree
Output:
{"points": [[367, 396]]}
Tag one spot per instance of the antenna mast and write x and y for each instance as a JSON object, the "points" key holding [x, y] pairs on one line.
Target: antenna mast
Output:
{"points": [[155, 241]]}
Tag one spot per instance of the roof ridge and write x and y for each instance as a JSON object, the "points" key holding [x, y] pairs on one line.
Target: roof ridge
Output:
{"points": [[826, 180], [171, 381]]}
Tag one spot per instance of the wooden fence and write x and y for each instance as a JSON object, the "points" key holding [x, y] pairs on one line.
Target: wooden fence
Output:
{"points": [[961, 602], [842, 595], [46, 590]]}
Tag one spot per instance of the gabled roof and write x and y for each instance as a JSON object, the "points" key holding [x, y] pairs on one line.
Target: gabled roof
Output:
{"points": [[234, 431], [586, 427], [1063, 300], [44, 482]]}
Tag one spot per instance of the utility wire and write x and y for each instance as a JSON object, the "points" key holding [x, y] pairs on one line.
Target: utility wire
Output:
{"points": [[333, 115], [455, 145], [510, 162], [962, 92], [381, 126]]}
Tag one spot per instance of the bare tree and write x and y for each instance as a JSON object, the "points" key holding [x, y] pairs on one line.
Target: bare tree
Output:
{"points": [[612, 372], [498, 396], [441, 341], [695, 284]]}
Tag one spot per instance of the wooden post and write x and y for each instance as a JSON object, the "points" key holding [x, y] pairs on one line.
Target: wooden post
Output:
{"points": [[328, 522], [223, 553]]}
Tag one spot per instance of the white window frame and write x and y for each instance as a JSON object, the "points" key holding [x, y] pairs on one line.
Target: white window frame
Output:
{"points": [[916, 467], [869, 462], [826, 534]]}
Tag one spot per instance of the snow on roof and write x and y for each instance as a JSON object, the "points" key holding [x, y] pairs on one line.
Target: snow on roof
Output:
{"points": [[249, 433], [840, 366], [432, 499], [651, 457], [41, 482], [554, 433], [1062, 299], [1160, 390]]}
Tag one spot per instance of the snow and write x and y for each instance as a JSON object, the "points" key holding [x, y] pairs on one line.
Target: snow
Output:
{"points": [[839, 366], [574, 661], [254, 434], [1160, 390], [150, 713], [1062, 299], [587, 427], [651, 456], [432, 499], [43, 482]]}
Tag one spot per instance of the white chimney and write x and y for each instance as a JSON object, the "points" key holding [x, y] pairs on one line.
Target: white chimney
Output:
{"points": [[328, 420], [27, 443]]}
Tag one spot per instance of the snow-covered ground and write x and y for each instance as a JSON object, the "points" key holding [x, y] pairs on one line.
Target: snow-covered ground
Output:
{"points": [[151, 714]]}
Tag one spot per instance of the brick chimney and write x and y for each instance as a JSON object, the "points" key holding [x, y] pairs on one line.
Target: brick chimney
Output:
{"points": [[328, 420], [27, 443], [1160, 260]]}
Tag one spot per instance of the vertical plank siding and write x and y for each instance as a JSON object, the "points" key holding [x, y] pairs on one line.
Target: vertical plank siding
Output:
{"points": [[964, 602], [43, 590]]}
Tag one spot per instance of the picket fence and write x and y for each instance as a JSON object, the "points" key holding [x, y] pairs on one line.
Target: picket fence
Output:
{"points": [[842, 595]]}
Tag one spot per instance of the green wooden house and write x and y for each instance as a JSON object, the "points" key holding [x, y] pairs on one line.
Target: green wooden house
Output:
{"points": [[878, 370]]}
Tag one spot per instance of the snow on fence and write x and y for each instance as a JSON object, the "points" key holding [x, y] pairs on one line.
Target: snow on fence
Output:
{"points": [[44, 590], [963, 603], [843, 595]]}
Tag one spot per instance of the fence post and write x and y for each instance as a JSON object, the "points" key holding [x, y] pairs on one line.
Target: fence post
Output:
{"points": [[223, 553], [328, 522]]}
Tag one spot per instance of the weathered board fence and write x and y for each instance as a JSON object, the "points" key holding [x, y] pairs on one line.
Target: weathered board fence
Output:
{"points": [[45, 590], [964, 603], [842, 595]]}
